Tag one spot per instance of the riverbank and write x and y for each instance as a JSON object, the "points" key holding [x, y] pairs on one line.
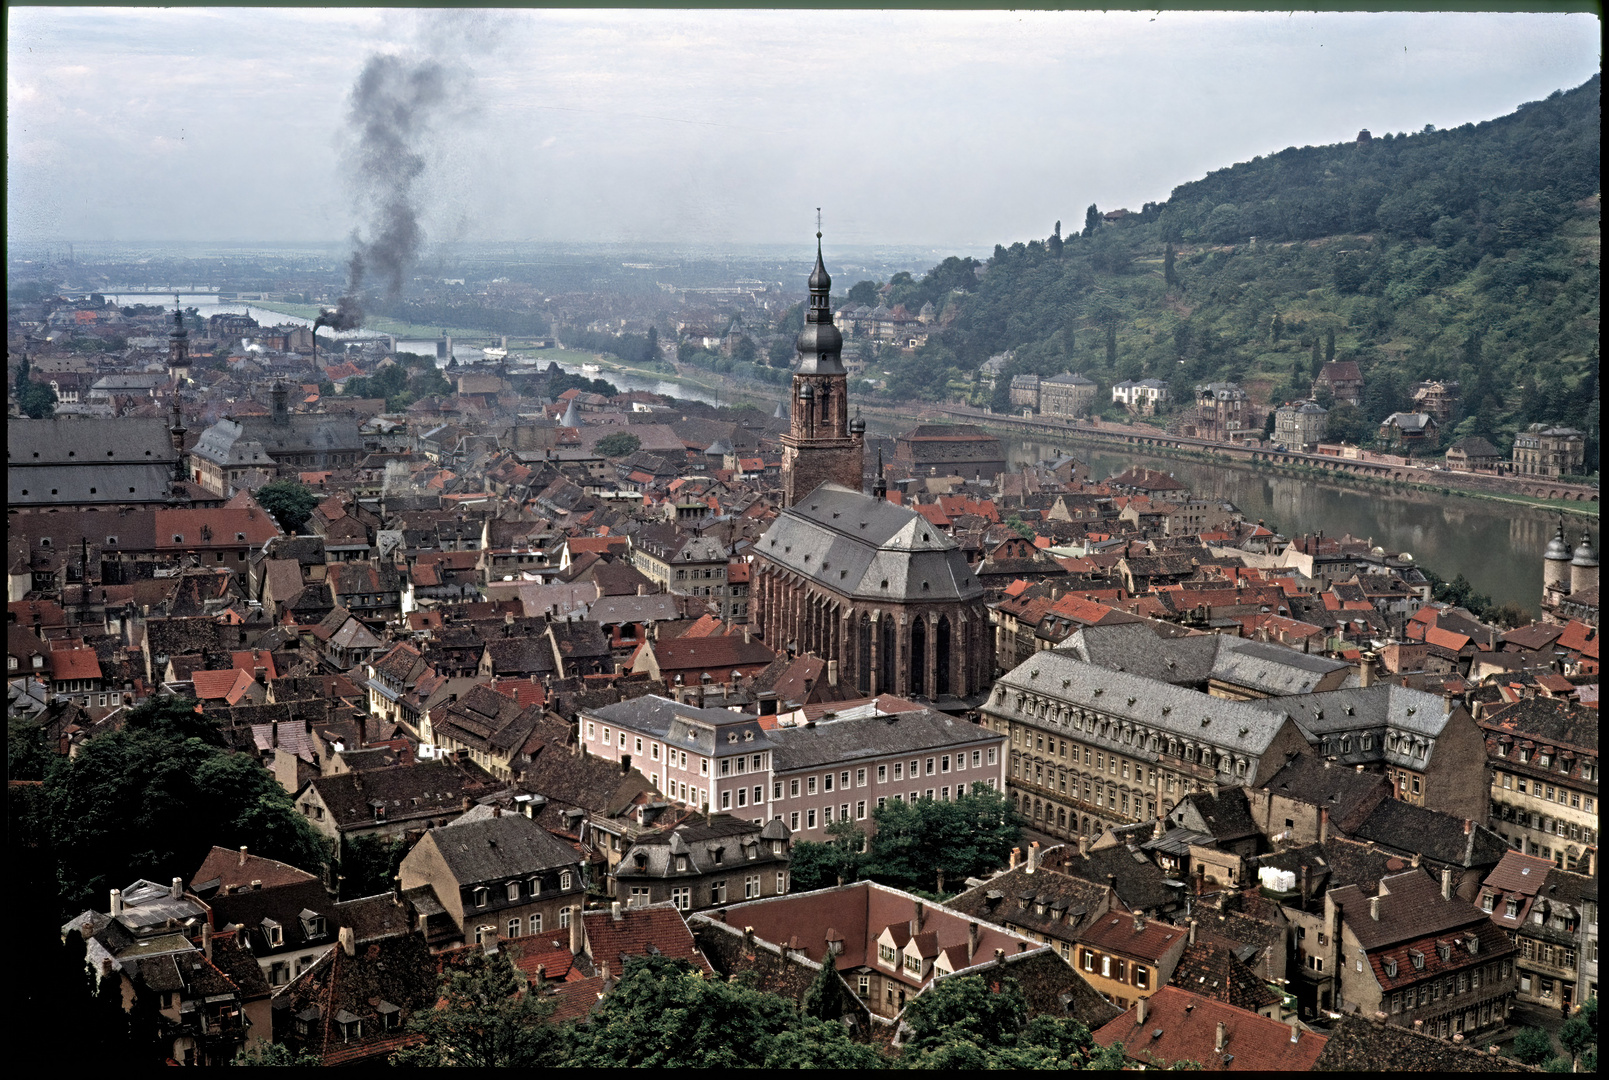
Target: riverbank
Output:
{"points": [[1339, 472]]}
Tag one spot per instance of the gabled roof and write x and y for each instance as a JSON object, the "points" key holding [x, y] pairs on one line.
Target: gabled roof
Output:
{"points": [[498, 849], [1411, 906], [1182, 1026], [656, 930]]}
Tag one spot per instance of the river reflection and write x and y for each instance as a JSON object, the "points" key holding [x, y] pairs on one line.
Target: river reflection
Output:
{"points": [[1497, 546]]}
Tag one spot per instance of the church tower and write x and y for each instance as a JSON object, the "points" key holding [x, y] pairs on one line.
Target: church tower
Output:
{"points": [[178, 347], [822, 442]]}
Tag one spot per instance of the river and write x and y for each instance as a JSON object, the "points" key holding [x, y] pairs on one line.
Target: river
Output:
{"points": [[1497, 546]]}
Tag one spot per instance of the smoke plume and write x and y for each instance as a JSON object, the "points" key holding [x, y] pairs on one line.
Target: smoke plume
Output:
{"points": [[392, 108]]}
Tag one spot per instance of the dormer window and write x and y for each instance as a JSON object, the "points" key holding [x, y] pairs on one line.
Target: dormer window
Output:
{"points": [[1391, 969], [274, 933], [1418, 959], [731, 736], [1444, 950], [481, 897], [513, 890], [565, 880]]}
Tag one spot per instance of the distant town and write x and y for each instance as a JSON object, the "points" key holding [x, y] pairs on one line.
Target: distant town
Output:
{"points": [[351, 675]]}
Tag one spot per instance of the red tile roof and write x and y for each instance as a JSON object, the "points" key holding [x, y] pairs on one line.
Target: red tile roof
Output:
{"points": [[1181, 1026], [658, 926], [231, 867], [216, 685], [1116, 934], [74, 664]]}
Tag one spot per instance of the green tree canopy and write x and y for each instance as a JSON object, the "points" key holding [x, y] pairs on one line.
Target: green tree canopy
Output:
{"points": [[662, 1014], [486, 1017], [290, 502], [619, 444], [151, 800]]}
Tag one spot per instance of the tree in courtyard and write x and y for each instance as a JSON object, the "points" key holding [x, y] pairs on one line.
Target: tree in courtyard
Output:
{"points": [[620, 444], [150, 801], [1532, 1046], [485, 1016], [928, 843], [663, 1014], [290, 502], [1579, 1036], [36, 399]]}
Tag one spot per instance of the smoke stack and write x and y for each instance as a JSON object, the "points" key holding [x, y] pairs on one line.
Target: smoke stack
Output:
{"points": [[1139, 1011], [1223, 1037]]}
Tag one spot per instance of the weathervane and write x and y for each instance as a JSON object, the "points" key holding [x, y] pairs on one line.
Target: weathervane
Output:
{"points": [[818, 223]]}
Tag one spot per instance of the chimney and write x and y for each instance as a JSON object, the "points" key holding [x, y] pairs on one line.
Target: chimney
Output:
{"points": [[1296, 1032], [1139, 1011], [578, 935], [1016, 854], [349, 941], [541, 976], [1000, 956], [1446, 883], [1033, 856], [1304, 883], [1415, 860], [1139, 922], [1323, 824], [972, 941], [1356, 768], [1192, 931], [1468, 825], [832, 673], [1222, 1039], [176, 888], [497, 811], [642, 590], [1111, 882], [614, 910], [242, 861], [1374, 908], [1365, 673], [921, 916], [206, 940], [746, 638], [1083, 847]]}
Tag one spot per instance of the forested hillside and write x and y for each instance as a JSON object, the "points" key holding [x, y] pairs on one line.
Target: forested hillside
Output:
{"points": [[1468, 254]]}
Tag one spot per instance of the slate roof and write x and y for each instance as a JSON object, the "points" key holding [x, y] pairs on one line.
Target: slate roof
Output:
{"points": [[1015, 897], [1345, 793], [283, 904], [1411, 906], [714, 654], [1226, 814], [1137, 880], [1440, 837], [498, 849], [849, 543], [1244, 728], [397, 971], [798, 748], [439, 788], [1211, 970], [1358, 1044]]}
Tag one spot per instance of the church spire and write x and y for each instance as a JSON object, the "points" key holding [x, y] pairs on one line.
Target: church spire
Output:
{"points": [[880, 485]]}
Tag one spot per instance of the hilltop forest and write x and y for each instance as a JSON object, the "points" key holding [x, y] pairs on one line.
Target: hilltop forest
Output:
{"points": [[1468, 254]]}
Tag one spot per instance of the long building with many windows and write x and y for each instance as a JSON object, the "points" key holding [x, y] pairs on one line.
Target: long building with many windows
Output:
{"points": [[811, 775]]}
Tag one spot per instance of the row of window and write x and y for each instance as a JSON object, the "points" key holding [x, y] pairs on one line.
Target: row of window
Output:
{"points": [[1544, 760], [1129, 972], [529, 889], [519, 927], [1539, 790], [1557, 826], [1432, 991]]}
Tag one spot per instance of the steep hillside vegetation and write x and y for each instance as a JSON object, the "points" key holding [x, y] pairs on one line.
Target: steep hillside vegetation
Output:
{"points": [[1469, 254]]}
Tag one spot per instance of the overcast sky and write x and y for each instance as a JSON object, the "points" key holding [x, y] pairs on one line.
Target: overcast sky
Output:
{"points": [[949, 129]]}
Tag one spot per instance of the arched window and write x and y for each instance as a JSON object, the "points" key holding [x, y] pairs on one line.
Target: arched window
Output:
{"points": [[885, 677], [918, 660], [863, 655], [941, 658]]}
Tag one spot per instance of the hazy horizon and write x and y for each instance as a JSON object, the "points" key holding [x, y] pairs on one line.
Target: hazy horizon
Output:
{"points": [[940, 131]]}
